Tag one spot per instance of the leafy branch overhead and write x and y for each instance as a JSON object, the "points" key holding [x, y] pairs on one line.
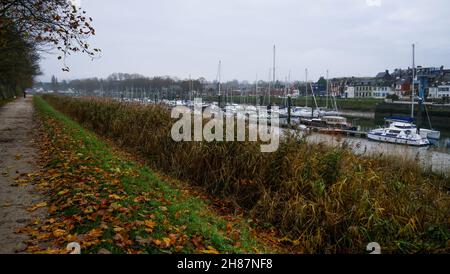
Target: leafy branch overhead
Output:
{"points": [[52, 24]]}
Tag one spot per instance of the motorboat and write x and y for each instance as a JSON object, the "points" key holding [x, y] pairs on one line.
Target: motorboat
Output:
{"points": [[399, 132], [329, 123], [304, 112]]}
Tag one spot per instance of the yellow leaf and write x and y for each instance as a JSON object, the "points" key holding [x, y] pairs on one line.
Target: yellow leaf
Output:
{"points": [[210, 250], [166, 241], [36, 206], [62, 192], [115, 197], [118, 228], [58, 232], [95, 233], [150, 224]]}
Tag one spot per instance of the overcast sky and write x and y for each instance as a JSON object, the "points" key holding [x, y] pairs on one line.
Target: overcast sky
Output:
{"points": [[182, 37]]}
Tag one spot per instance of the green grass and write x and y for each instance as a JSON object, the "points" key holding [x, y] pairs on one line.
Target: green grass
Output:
{"points": [[198, 218]]}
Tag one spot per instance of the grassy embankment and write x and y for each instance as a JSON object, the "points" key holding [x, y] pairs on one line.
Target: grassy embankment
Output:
{"points": [[322, 199], [100, 198]]}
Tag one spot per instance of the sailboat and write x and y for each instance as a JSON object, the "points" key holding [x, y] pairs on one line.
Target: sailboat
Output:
{"points": [[305, 112], [333, 111]]}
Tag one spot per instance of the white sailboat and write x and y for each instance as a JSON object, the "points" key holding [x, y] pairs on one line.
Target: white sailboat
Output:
{"points": [[306, 112], [333, 111]]}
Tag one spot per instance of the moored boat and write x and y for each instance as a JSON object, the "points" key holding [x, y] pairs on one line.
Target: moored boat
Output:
{"points": [[399, 132]]}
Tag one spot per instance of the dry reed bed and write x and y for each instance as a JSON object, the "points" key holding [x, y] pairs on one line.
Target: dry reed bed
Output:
{"points": [[323, 199]]}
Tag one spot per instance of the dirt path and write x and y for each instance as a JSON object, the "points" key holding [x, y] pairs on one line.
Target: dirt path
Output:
{"points": [[17, 156]]}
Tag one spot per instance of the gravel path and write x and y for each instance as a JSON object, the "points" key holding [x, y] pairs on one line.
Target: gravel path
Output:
{"points": [[17, 156]]}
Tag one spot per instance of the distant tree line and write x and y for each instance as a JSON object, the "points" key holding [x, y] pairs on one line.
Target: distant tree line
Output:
{"points": [[28, 27], [125, 85]]}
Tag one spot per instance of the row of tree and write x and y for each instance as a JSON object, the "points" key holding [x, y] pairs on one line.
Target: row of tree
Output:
{"points": [[137, 86], [18, 62], [28, 27]]}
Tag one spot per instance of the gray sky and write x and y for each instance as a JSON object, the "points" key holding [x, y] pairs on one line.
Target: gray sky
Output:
{"points": [[182, 37]]}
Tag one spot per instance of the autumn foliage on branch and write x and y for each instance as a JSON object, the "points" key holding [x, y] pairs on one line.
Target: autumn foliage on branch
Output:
{"points": [[28, 27], [52, 24]]}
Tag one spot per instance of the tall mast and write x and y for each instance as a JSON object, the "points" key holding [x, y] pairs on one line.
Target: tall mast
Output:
{"points": [[274, 52], [270, 71], [218, 73], [190, 87], [306, 87], [328, 94], [289, 82], [256, 90], [413, 76], [273, 71]]}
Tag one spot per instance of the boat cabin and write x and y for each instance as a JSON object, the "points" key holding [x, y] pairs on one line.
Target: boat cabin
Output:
{"points": [[335, 120]]}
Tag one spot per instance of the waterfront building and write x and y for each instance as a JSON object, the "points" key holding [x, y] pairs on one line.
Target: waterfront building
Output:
{"points": [[349, 92]]}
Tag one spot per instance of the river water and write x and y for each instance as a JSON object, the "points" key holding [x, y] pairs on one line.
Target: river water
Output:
{"points": [[435, 157]]}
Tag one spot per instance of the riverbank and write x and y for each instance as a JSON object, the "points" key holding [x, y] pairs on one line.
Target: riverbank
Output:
{"points": [[322, 199]]}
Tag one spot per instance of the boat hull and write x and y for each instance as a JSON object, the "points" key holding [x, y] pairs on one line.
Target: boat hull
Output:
{"points": [[396, 140]]}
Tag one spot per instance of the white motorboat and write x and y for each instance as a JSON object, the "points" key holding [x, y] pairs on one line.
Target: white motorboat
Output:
{"points": [[399, 132], [326, 112], [304, 112]]}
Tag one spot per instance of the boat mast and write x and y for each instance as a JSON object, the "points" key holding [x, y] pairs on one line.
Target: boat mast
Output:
{"points": [[285, 91], [218, 75], [288, 88], [306, 87], [190, 87], [327, 93], [413, 77], [270, 72], [314, 98], [273, 71], [256, 90]]}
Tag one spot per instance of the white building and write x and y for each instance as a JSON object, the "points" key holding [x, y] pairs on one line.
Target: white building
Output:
{"points": [[439, 92], [381, 92], [349, 92], [443, 91], [432, 92], [363, 91]]}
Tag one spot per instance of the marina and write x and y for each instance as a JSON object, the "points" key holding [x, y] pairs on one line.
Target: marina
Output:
{"points": [[434, 155]]}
